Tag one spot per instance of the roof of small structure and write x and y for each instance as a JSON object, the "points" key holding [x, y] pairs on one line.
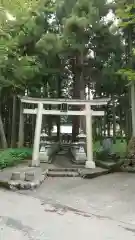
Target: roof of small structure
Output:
{"points": [[81, 135]]}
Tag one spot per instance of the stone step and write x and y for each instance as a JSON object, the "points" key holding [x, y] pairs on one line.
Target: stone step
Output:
{"points": [[93, 173], [62, 174], [112, 165], [63, 169]]}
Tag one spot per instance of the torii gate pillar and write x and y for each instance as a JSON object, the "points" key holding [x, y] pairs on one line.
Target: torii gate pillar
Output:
{"points": [[35, 156], [89, 163]]}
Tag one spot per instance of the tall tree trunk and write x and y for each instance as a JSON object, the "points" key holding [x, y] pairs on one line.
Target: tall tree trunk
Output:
{"points": [[44, 117], [120, 124], [100, 129], [108, 123], [104, 124], [127, 126], [58, 122], [50, 122], [76, 95], [94, 130], [33, 124], [114, 119], [82, 91], [21, 128], [129, 123], [13, 130], [108, 128], [2, 134], [133, 107], [9, 123], [75, 119], [82, 97], [132, 86], [4, 144]]}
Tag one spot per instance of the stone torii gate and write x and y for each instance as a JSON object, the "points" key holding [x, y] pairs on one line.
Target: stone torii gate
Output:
{"points": [[39, 111]]}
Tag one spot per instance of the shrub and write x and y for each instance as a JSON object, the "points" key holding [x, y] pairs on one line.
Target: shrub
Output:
{"points": [[102, 155], [11, 157]]}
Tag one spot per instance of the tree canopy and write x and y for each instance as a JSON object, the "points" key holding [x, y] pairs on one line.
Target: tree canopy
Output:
{"points": [[60, 48]]}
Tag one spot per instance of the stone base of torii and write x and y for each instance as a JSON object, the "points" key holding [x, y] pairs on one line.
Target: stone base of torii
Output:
{"points": [[40, 111]]}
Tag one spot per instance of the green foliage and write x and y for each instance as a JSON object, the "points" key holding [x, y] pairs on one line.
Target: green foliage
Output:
{"points": [[119, 147], [49, 43], [40, 42], [102, 155], [48, 47], [19, 7], [11, 157], [126, 15], [127, 73], [76, 24]]}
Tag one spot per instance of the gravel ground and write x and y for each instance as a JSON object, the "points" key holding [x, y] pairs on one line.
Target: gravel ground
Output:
{"points": [[71, 208]]}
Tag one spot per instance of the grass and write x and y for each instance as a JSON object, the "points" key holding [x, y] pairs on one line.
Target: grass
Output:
{"points": [[119, 147], [11, 157]]}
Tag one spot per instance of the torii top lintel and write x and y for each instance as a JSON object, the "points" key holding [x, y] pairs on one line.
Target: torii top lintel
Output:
{"points": [[54, 101]]}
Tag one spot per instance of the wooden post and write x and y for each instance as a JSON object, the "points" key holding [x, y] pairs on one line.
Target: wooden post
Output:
{"points": [[89, 163], [35, 156], [21, 128]]}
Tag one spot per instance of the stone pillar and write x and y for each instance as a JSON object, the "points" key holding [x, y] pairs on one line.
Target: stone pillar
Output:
{"points": [[35, 156], [21, 128], [89, 163]]}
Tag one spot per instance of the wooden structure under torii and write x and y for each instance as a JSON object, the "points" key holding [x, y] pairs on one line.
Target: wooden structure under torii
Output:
{"points": [[40, 111]]}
